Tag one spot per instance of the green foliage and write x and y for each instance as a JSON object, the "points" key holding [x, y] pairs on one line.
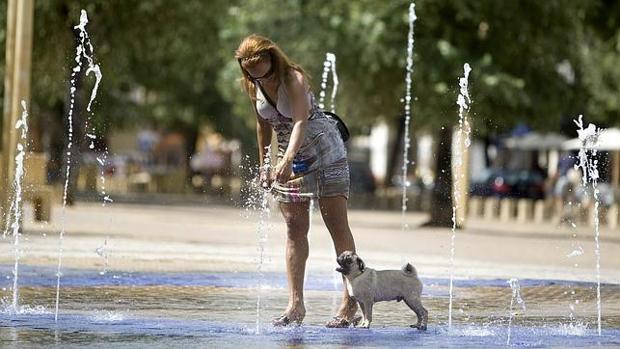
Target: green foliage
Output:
{"points": [[159, 61], [516, 49], [601, 64]]}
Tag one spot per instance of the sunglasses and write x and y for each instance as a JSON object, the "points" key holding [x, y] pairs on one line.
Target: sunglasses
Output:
{"points": [[265, 76]]}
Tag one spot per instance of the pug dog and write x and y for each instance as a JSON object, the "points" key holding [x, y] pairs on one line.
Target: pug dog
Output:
{"points": [[368, 286]]}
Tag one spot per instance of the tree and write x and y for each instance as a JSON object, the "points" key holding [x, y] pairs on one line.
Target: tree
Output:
{"points": [[171, 63], [159, 66], [441, 198]]}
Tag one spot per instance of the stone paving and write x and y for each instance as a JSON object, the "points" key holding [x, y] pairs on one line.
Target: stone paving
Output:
{"points": [[223, 238]]}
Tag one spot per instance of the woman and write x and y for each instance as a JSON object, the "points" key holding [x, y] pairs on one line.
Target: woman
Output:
{"points": [[308, 143]]}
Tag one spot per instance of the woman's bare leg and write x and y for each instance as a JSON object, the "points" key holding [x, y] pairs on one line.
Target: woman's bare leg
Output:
{"points": [[296, 217], [334, 212]]}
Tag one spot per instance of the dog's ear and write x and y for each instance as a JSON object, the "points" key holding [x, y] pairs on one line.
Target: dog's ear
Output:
{"points": [[360, 264]]}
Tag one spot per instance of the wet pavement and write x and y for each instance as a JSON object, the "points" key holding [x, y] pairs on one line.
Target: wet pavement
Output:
{"points": [[220, 310], [157, 276]]}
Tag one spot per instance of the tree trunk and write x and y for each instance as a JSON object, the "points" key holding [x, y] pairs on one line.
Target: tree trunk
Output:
{"points": [[395, 152], [54, 126], [441, 196]]}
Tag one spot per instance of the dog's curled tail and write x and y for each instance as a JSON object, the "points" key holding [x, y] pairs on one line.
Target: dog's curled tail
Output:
{"points": [[409, 270]]}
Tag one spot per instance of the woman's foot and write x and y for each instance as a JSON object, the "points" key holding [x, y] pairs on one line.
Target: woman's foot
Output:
{"points": [[345, 316], [291, 316], [340, 322]]}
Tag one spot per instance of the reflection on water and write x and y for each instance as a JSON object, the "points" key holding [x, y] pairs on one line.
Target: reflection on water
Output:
{"points": [[173, 314]]}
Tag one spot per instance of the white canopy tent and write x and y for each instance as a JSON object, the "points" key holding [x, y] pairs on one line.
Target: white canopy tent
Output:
{"points": [[545, 146], [536, 141], [608, 139]]}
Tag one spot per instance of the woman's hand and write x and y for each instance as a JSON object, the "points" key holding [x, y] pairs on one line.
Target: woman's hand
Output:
{"points": [[283, 170]]}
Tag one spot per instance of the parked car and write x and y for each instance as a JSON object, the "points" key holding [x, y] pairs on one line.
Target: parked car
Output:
{"points": [[481, 185], [510, 184]]}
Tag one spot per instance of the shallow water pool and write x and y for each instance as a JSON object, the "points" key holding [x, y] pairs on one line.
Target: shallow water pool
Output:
{"points": [[220, 310]]}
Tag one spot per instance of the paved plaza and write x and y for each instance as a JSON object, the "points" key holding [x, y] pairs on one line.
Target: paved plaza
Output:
{"points": [[220, 238]]}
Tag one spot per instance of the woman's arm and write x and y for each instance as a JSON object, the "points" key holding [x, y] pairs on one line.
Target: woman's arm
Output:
{"points": [[299, 108], [263, 137]]}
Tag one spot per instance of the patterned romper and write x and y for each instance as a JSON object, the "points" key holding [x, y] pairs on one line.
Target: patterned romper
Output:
{"points": [[322, 150]]}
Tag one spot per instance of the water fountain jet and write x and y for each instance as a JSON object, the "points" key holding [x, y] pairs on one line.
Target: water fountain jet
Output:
{"points": [[261, 195], [407, 101], [329, 65], [15, 211], [463, 135], [516, 296], [588, 164], [83, 51]]}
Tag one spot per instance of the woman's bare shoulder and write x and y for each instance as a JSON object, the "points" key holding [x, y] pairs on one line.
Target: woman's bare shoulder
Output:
{"points": [[297, 80]]}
